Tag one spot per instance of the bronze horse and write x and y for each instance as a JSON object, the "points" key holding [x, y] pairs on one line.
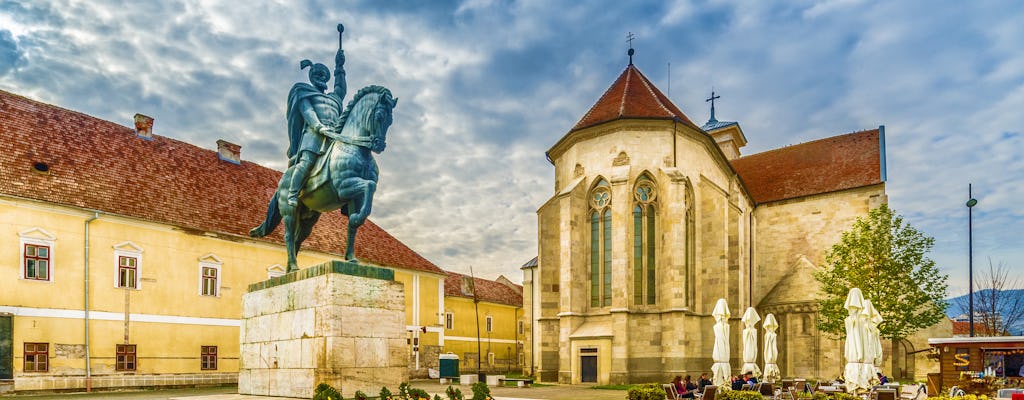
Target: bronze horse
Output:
{"points": [[345, 178]]}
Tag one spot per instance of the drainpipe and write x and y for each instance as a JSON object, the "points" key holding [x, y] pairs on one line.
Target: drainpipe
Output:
{"points": [[88, 359]]}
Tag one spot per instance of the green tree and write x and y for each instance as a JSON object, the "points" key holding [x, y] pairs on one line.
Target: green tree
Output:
{"points": [[887, 259]]}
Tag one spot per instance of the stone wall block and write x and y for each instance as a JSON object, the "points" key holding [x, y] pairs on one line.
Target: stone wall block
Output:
{"points": [[341, 352], [371, 352]]}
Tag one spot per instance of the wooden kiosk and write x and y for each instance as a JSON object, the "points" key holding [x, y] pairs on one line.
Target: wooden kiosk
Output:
{"points": [[979, 365]]}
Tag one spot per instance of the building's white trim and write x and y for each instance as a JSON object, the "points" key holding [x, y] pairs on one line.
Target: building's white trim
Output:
{"points": [[473, 339], [415, 299], [37, 233], [210, 258], [110, 316], [976, 339], [128, 247], [275, 270]]}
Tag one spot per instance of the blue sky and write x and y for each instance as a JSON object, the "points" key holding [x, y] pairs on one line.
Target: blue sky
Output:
{"points": [[486, 87]]}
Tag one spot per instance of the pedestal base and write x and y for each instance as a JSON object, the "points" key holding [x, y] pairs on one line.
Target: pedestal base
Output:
{"points": [[338, 323]]}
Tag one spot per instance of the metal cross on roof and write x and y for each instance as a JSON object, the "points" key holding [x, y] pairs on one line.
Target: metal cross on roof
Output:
{"points": [[629, 38], [712, 100]]}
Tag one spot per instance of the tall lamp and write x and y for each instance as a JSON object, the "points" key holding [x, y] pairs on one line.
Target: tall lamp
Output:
{"points": [[970, 258]]}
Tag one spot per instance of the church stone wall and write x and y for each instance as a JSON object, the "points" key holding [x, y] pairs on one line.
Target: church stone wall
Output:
{"points": [[807, 227]]}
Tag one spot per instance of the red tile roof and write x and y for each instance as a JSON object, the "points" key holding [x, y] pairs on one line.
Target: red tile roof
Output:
{"points": [[632, 96], [99, 165], [486, 290], [964, 328], [826, 165]]}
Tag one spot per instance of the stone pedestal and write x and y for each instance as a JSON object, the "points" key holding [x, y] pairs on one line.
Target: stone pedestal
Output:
{"points": [[338, 323]]}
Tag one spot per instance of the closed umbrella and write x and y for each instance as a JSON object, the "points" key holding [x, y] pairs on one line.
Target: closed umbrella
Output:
{"points": [[854, 350], [750, 319], [873, 338], [771, 349], [720, 353]]}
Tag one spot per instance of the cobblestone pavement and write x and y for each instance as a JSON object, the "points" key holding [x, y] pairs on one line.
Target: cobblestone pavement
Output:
{"points": [[553, 392]]}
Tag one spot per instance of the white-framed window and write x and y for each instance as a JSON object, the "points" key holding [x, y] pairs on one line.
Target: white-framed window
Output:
{"points": [[520, 327], [36, 245], [127, 265], [449, 321], [490, 358], [490, 324], [210, 275]]}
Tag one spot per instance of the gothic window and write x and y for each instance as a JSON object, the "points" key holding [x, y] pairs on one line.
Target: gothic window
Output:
{"points": [[601, 245], [644, 224]]}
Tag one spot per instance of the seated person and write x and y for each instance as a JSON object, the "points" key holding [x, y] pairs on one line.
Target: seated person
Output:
{"points": [[737, 382], [677, 383], [689, 389], [748, 377], [704, 381], [882, 379]]}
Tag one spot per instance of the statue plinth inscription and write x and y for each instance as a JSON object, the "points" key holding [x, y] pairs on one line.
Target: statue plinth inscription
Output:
{"points": [[338, 323]]}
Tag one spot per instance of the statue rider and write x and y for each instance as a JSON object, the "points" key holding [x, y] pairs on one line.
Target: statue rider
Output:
{"points": [[312, 114]]}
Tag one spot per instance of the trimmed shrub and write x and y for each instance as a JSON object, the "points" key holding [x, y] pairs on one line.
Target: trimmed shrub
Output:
{"points": [[324, 391], [481, 391], [647, 391], [454, 393], [739, 395]]}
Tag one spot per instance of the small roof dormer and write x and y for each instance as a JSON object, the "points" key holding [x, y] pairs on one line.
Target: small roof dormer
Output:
{"points": [[727, 134]]}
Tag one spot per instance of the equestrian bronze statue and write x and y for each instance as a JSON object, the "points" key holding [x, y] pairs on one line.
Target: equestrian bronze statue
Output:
{"points": [[330, 155]]}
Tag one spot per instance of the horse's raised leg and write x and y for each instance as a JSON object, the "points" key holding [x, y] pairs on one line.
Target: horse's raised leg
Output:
{"points": [[363, 203]]}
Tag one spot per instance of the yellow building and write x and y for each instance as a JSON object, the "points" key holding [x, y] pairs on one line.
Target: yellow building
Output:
{"points": [[498, 314], [125, 254]]}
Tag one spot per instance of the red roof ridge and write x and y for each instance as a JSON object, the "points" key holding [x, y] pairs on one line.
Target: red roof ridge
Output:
{"points": [[648, 85], [835, 163], [625, 90], [841, 135], [486, 289]]}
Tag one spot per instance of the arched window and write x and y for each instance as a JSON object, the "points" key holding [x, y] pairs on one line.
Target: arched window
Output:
{"points": [[644, 272], [601, 245]]}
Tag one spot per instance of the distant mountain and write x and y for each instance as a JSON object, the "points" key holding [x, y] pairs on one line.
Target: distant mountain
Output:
{"points": [[958, 306]]}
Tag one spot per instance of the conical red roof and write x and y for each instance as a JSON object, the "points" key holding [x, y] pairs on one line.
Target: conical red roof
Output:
{"points": [[632, 96]]}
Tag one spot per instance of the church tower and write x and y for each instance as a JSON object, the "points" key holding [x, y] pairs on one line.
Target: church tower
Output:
{"points": [[646, 229], [653, 219]]}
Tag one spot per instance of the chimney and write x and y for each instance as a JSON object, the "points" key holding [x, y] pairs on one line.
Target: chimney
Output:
{"points": [[229, 152], [144, 126]]}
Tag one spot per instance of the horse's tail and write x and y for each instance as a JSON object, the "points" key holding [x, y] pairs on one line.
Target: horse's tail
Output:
{"points": [[273, 219]]}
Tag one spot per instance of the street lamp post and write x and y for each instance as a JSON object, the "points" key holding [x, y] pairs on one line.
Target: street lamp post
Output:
{"points": [[970, 259]]}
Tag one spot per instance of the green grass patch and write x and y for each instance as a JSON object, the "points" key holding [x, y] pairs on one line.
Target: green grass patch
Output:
{"points": [[614, 387]]}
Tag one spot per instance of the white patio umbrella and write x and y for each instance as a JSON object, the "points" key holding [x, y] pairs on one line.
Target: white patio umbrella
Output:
{"points": [[750, 319], [721, 370], [855, 340], [873, 338], [771, 349]]}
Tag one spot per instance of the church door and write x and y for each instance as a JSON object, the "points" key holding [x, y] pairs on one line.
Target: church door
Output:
{"points": [[588, 369], [6, 348]]}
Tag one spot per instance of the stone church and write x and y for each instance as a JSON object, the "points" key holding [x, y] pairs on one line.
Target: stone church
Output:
{"points": [[653, 218]]}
